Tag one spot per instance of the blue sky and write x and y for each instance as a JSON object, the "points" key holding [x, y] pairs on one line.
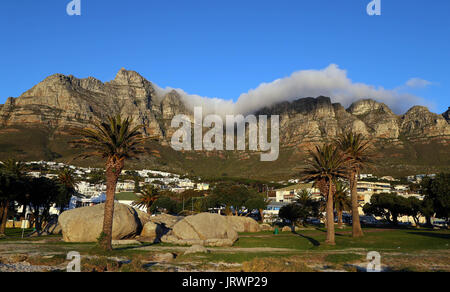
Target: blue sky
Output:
{"points": [[223, 49]]}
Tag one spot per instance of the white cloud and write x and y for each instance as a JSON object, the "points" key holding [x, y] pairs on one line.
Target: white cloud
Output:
{"points": [[331, 81], [417, 83]]}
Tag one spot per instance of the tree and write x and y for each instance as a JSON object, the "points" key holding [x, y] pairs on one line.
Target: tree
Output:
{"points": [[427, 210], [96, 177], [12, 186], [166, 203], [43, 194], [326, 164], [259, 202], [232, 196], [149, 195], [437, 191], [309, 206], [292, 212], [137, 187], [356, 150], [67, 183], [415, 209], [114, 140], [6, 184], [387, 205], [342, 202]]}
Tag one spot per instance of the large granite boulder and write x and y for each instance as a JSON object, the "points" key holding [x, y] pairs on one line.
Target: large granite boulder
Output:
{"points": [[266, 227], [202, 229], [243, 224], [143, 217], [166, 220], [152, 230], [85, 224]]}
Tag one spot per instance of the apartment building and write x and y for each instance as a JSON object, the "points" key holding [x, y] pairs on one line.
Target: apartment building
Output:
{"points": [[367, 189], [289, 194]]}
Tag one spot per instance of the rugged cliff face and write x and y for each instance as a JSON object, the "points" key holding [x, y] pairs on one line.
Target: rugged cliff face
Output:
{"points": [[317, 119], [446, 115], [60, 102]]}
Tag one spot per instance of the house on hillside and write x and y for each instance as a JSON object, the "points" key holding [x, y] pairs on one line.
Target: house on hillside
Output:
{"points": [[125, 186], [367, 189], [288, 194], [202, 187]]}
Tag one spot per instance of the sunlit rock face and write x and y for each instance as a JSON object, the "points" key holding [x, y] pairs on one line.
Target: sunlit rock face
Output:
{"points": [[61, 102]]}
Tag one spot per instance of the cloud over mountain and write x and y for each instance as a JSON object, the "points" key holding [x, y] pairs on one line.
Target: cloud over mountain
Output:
{"points": [[331, 81]]}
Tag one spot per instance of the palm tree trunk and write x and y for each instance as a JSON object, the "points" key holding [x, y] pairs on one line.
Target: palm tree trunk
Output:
{"points": [[395, 219], [356, 224], [339, 213], [428, 223], [113, 170], [4, 217], [1, 211], [416, 221], [330, 216]]}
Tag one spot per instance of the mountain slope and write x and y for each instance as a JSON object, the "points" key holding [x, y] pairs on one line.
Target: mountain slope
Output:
{"points": [[35, 126]]}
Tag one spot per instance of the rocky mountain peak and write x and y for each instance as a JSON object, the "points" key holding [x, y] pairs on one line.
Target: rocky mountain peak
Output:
{"points": [[172, 105], [126, 77], [365, 106], [419, 121], [418, 109], [321, 105]]}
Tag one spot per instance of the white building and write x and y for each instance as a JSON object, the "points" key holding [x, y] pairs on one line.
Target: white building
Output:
{"points": [[289, 194], [367, 189], [365, 175], [202, 187], [272, 210], [187, 184], [88, 189], [125, 186]]}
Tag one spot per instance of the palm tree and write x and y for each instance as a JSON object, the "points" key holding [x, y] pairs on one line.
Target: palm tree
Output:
{"points": [[5, 181], [14, 167], [325, 166], [66, 177], [12, 187], [356, 150], [114, 140], [303, 197], [67, 183], [149, 195], [342, 201], [309, 207]]}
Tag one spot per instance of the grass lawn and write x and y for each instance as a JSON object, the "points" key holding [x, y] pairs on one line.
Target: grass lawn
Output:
{"points": [[374, 239], [401, 250]]}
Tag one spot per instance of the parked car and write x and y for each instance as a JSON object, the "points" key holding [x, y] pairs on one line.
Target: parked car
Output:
{"points": [[440, 224], [368, 220], [314, 221]]}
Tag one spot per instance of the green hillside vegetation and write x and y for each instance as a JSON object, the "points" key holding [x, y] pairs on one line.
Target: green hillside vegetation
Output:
{"points": [[39, 143]]}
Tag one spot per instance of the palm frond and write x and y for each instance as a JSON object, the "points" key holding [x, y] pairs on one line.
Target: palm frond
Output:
{"points": [[114, 137]]}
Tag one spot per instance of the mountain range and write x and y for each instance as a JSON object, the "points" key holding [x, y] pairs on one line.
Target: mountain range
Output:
{"points": [[36, 126]]}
